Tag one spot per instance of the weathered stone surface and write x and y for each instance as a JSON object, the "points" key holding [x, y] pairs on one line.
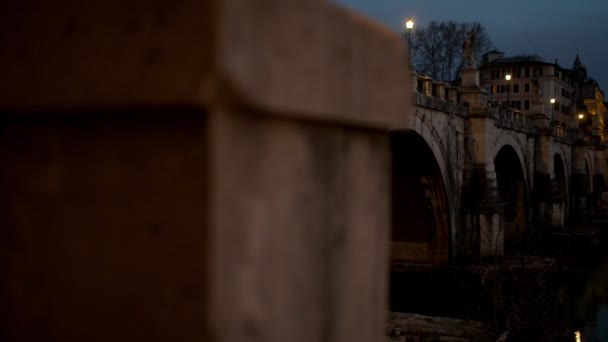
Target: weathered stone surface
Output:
{"points": [[295, 58], [104, 229], [200, 170], [302, 234]]}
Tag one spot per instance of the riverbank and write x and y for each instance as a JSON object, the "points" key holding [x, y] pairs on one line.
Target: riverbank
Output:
{"points": [[548, 296]]}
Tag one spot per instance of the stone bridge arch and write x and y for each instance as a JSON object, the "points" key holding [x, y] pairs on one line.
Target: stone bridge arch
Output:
{"points": [[560, 170], [589, 169], [421, 218], [512, 187], [519, 147], [583, 168], [437, 130], [581, 182]]}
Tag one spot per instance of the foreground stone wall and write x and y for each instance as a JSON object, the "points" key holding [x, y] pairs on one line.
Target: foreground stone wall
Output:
{"points": [[104, 228], [200, 170]]}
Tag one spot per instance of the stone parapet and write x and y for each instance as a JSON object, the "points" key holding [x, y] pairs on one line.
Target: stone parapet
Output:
{"points": [[196, 170], [440, 105], [295, 58]]}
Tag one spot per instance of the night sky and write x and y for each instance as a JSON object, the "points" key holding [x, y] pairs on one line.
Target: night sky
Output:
{"points": [[551, 29]]}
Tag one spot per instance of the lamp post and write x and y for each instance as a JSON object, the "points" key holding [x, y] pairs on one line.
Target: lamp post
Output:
{"points": [[552, 110], [508, 79], [409, 26], [582, 131]]}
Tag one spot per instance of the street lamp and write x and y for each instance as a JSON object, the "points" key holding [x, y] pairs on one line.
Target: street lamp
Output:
{"points": [[508, 79], [552, 109], [581, 116], [409, 26]]}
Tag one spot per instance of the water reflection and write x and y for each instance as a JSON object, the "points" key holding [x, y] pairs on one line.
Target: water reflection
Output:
{"points": [[592, 299]]}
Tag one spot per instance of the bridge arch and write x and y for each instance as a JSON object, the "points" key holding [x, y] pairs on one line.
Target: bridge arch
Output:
{"points": [[426, 124], [561, 180], [513, 142], [421, 221], [581, 184], [589, 171], [513, 192]]}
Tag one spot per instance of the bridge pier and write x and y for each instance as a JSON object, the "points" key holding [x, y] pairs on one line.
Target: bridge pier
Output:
{"points": [[581, 183], [483, 233], [550, 203], [550, 188]]}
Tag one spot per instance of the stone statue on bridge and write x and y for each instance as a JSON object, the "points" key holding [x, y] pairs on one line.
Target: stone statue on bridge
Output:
{"points": [[468, 49]]}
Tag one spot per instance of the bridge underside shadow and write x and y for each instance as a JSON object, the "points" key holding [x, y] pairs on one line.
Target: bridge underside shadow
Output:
{"points": [[420, 221], [420, 213], [512, 192]]}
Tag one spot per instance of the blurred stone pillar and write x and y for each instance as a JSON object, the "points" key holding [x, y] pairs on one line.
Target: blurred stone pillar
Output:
{"points": [[196, 171]]}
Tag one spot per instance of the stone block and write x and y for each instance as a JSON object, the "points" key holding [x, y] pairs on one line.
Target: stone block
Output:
{"points": [[200, 170]]}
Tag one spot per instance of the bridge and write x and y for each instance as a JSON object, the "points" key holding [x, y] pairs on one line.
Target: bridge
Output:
{"points": [[488, 177], [234, 170]]}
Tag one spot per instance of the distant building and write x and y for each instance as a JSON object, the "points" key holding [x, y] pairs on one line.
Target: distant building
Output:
{"points": [[532, 85], [590, 105]]}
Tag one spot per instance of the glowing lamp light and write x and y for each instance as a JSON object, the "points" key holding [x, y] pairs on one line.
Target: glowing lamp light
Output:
{"points": [[581, 116], [508, 77], [552, 101], [577, 336], [409, 24]]}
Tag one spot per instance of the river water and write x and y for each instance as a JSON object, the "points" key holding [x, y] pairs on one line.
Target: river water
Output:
{"points": [[566, 301], [590, 298]]}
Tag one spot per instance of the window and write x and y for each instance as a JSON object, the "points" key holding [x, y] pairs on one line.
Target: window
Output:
{"points": [[516, 88], [556, 106], [516, 104], [527, 71], [527, 87], [518, 72], [527, 104]]}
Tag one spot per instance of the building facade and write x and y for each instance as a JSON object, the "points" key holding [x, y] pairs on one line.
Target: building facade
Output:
{"points": [[544, 91]]}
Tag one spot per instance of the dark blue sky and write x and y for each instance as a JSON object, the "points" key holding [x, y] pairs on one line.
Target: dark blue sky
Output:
{"points": [[551, 29]]}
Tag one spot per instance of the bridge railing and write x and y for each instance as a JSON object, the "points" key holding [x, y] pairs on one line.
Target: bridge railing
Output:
{"points": [[440, 105], [559, 131], [510, 118]]}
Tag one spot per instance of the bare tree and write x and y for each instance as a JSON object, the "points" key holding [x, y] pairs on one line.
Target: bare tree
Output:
{"points": [[437, 48]]}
